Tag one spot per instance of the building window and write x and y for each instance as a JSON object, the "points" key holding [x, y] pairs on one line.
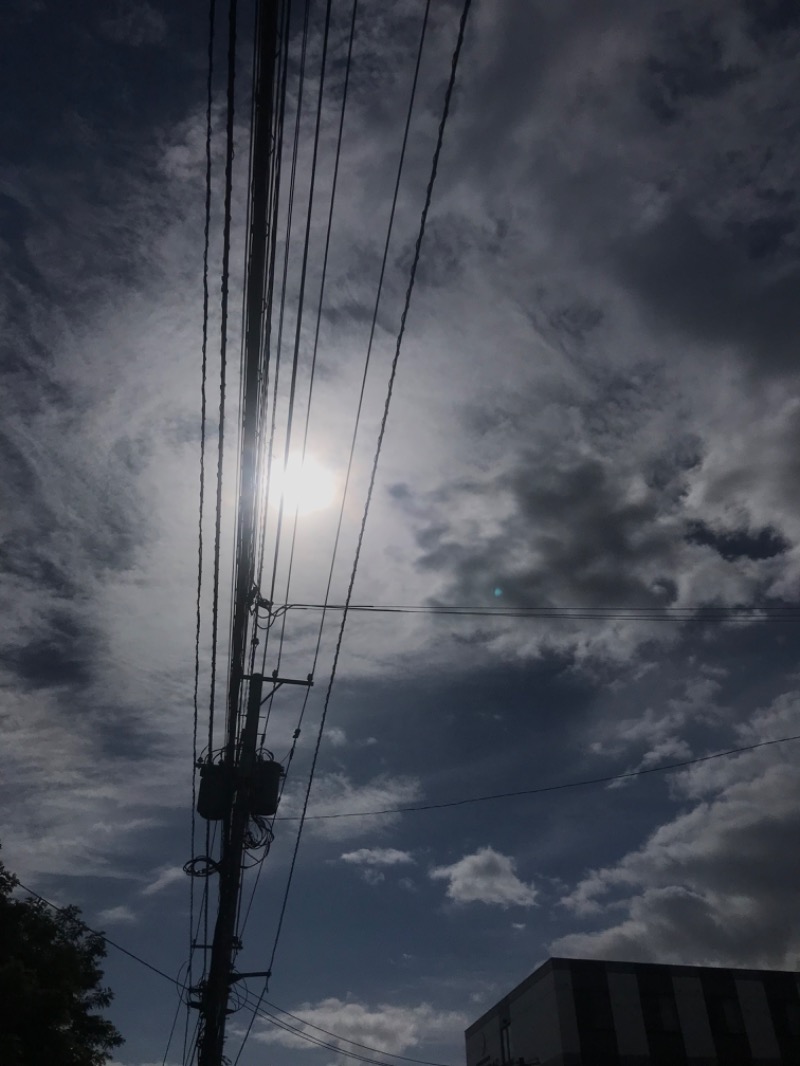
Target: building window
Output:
{"points": [[505, 1042], [726, 1015], [792, 1014], [667, 1015]]}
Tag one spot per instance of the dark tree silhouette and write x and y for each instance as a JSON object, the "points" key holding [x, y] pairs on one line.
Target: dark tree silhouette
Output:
{"points": [[50, 985]]}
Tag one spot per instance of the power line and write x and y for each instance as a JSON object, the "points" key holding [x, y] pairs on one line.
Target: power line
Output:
{"points": [[284, 286], [225, 286], [248, 996], [203, 412], [355, 1043], [379, 443], [545, 788], [373, 324], [747, 612], [295, 1031], [339, 140], [323, 276]]}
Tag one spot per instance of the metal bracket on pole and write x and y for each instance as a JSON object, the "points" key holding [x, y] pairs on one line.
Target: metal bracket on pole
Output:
{"points": [[254, 973], [278, 681]]}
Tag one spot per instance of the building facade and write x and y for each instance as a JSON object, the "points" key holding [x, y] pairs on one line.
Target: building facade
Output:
{"points": [[575, 1012]]}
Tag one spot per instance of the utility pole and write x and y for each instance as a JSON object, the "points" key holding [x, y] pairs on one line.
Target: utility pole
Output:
{"points": [[243, 782], [214, 1003], [235, 779]]}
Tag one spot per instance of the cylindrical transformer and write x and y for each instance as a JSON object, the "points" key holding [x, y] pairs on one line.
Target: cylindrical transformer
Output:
{"points": [[265, 787]]}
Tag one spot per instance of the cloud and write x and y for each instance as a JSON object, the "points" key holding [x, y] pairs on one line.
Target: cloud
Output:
{"points": [[377, 857], [714, 884], [336, 794], [336, 736], [369, 861], [117, 916], [487, 876], [385, 1027], [135, 23], [169, 875]]}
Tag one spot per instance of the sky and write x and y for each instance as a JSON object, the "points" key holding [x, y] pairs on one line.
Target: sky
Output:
{"points": [[596, 407]]}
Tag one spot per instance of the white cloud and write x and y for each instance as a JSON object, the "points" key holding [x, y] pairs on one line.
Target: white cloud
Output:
{"points": [[384, 1027], [368, 861], [336, 736], [169, 875], [117, 916], [377, 857], [337, 794], [487, 876], [715, 884]]}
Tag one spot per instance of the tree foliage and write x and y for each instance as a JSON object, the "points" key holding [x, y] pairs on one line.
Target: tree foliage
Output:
{"points": [[50, 988]]}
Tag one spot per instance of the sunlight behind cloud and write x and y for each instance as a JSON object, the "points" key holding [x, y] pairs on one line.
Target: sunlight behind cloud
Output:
{"points": [[305, 484]]}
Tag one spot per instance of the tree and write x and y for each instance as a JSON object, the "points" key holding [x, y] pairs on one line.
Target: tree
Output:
{"points": [[50, 985]]}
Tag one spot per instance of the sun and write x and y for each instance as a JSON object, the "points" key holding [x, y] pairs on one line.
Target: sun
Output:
{"points": [[306, 485]]}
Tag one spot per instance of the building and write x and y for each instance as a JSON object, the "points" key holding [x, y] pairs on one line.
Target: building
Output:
{"points": [[575, 1012]]}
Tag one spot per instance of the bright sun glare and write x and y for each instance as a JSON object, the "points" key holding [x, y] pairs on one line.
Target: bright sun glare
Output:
{"points": [[307, 485]]}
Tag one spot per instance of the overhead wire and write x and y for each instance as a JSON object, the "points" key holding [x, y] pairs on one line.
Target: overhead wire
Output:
{"points": [[605, 780], [354, 1043], [286, 259], [412, 97], [304, 266], [373, 324], [315, 349], [267, 440], [224, 292], [549, 788], [248, 997], [201, 507], [241, 923], [260, 1010], [376, 458], [320, 303], [746, 612]]}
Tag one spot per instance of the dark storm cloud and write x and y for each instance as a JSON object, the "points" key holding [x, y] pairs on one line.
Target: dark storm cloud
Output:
{"points": [[738, 544], [134, 23], [659, 148], [721, 262], [688, 64], [77, 93], [766, 18], [708, 286], [103, 525], [572, 535], [60, 655]]}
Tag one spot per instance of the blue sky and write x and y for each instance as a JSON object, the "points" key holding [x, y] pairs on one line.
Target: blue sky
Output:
{"points": [[596, 407]]}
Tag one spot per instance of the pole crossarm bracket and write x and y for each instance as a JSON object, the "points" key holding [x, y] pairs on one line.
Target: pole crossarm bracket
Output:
{"points": [[278, 681], [253, 973]]}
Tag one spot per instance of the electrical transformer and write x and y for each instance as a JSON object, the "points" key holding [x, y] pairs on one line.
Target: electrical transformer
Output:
{"points": [[215, 792], [266, 785]]}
